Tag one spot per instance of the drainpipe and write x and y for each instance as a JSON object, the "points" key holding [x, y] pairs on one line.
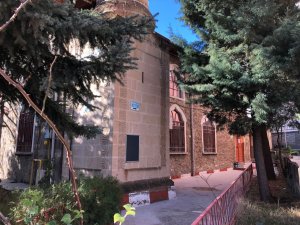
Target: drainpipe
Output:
{"points": [[192, 138]]}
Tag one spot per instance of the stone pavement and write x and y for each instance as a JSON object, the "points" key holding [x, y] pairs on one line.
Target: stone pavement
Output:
{"points": [[10, 185], [194, 194]]}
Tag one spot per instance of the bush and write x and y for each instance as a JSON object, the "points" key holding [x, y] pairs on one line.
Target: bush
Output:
{"points": [[39, 206], [100, 198]]}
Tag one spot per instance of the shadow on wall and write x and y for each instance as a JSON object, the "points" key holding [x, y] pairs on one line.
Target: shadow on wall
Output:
{"points": [[8, 142], [91, 157]]}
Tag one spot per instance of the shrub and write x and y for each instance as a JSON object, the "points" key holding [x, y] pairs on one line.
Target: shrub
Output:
{"points": [[39, 206], [100, 198]]}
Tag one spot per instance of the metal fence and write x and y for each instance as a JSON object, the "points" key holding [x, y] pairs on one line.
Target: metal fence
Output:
{"points": [[222, 211]]}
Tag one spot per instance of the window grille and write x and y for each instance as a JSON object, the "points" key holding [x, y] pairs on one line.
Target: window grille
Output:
{"points": [[209, 137], [177, 135], [25, 131]]}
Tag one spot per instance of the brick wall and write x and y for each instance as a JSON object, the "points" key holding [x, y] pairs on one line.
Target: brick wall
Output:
{"points": [[181, 163]]}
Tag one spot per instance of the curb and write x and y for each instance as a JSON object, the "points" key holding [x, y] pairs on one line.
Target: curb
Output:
{"points": [[142, 198], [207, 171]]}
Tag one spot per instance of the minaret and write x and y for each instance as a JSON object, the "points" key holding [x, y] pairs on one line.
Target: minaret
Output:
{"points": [[123, 7]]}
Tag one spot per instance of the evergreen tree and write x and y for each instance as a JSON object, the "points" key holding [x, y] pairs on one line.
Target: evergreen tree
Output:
{"points": [[35, 51], [249, 69]]}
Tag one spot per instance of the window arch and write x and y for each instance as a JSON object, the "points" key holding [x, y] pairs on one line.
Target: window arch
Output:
{"points": [[209, 138], [174, 89], [177, 130]]}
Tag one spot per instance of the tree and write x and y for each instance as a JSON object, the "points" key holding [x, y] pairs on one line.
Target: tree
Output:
{"points": [[252, 49], [35, 50], [36, 61]]}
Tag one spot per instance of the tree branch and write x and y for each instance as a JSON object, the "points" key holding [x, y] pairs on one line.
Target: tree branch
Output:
{"points": [[55, 129], [49, 83], [4, 220], [14, 16]]}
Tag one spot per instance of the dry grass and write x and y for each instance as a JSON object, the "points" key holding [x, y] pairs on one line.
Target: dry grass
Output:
{"points": [[285, 210]]}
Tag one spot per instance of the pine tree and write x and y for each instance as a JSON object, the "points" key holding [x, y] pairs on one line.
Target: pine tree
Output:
{"points": [[35, 51], [249, 69]]}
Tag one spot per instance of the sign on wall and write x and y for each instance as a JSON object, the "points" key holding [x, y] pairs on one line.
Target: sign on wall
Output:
{"points": [[135, 106]]}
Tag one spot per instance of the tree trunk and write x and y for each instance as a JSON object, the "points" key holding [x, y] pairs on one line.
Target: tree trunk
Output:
{"points": [[267, 155], [264, 190], [279, 144], [1, 118]]}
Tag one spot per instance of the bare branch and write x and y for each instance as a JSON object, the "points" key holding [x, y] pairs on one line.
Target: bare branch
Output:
{"points": [[4, 220], [55, 129], [14, 16], [49, 83]]}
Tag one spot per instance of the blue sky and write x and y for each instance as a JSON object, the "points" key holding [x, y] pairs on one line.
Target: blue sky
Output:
{"points": [[169, 14]]}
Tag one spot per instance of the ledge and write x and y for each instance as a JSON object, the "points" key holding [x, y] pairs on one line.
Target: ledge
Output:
{"points": [[178, 153], [206, 153], [24, 153], [181, 99], [138, 166]]}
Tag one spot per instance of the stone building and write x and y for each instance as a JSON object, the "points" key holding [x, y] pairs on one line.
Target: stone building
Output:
{"points": [[133, 117], [149, 131]]}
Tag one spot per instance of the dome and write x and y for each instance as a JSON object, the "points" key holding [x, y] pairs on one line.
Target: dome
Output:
{"points": [[123, 7]]}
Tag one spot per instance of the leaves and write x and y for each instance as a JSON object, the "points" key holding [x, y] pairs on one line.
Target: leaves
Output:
{"points": [[45, 30], [118, 218], [67, 219], [130, 211], [253, 53]]}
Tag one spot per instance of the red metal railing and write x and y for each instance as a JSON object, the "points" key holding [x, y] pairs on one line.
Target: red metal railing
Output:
{"points": [[222, 210]]}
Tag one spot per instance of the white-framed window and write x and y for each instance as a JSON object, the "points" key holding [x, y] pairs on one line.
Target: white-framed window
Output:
{"points": [[209, 136], [177, 130]]}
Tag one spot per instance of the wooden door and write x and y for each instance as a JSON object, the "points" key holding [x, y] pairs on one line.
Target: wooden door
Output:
{"points": [[239, 149]]}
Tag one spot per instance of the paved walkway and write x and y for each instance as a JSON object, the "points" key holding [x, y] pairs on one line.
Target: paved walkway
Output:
{"points": [[10, 185], [194, 194]]}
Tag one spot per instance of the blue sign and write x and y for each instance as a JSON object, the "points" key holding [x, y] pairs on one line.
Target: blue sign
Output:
{"points": [[135, 106]]}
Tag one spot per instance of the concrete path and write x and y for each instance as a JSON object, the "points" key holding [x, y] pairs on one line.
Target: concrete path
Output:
{"points": [[10, 185], [194, 194]]}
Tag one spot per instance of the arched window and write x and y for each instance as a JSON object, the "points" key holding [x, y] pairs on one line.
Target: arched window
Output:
{"points": [[175, 90], [208, 136], [177, 130]]}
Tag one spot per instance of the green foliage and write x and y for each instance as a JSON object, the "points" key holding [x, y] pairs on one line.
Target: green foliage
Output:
{"points": [[45, 30], [248, 72], [130, 211], [41, 206], [100, 198]]}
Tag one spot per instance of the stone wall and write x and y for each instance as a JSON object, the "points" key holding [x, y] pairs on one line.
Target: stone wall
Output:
{"points": [[8, 160], [93, 157], [146, 86]]}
